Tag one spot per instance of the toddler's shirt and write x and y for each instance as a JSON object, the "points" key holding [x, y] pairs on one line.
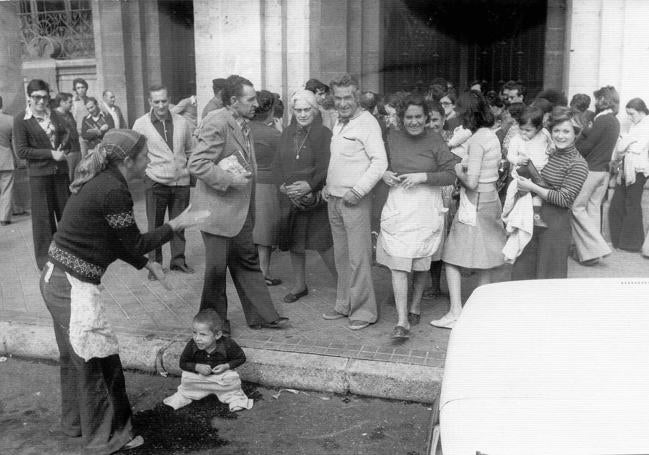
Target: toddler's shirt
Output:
{"points": [[227, 351]]}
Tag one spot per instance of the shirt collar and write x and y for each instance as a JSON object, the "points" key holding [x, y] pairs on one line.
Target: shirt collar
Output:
{"points": [[156, 118], [29, 114], [242, 121], [604, 112]]}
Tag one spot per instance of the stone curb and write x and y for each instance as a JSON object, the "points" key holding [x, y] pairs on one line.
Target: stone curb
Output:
{"points": [[270, 368]]}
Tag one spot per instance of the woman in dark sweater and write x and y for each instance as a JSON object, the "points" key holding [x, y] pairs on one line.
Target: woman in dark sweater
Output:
{"points": [[98, 227], [41, 138], [546, 254], [300, 169], [596, 145]]}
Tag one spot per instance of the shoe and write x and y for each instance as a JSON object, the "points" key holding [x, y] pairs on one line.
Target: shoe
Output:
{"points": [[290, 297], [413, 318], [137, 441], [333, 315], [279, 323], [57, 430], [23, 213], [538, 222], [400, 333], [5, 223], [445, 322], [182, 268], [273, 281], [590, 262], [357, 325]]}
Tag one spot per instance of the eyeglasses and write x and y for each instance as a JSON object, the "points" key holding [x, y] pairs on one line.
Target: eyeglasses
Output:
{"points": [[40, 97], [446, 103]]}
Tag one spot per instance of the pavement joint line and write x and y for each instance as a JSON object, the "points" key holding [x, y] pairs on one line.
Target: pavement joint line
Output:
{"points": [[108, 291]]}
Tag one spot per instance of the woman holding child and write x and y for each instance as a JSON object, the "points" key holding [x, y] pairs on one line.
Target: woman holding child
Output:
{"points": [[477, 235], [97, 228], [412, 221], [546, 254]]}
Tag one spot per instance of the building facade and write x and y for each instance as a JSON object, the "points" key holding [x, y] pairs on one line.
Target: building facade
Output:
{"points": [[575, 45]]}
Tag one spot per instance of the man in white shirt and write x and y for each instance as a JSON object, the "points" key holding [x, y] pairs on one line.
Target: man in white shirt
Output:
{"points": [[358, 161]]}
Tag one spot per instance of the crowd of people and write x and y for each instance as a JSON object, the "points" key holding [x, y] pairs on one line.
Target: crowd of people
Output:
{"points": [[417, 181]]}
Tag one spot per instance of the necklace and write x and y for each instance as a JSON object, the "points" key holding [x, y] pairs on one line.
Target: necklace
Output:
{"points": [[299, 149]]}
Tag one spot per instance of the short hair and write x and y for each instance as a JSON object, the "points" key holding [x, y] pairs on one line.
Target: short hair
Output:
{"points": [[266, 101], [516, 111], [636, 103], [562, 114], [451, 95], [233, 87], [436, 91], [313, 85], [556, 97], [157, 88], [211, 318], [610, 98], [107, 91], [545, 105], [368, 100], [278, 106], [435, 106], [304, 95], [36, 85], [494, 100], [481, 82], [345, 80], [61, 97], [413, 100], [79, 80], [580, 101], [533, 115], [217, 85], [92, 99], [473, 110]]}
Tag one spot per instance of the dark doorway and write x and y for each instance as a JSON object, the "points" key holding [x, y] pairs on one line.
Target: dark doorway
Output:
{"points": [[177, 54], [462, 41]]}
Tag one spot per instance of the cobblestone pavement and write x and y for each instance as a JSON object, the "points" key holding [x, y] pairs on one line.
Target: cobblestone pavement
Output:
{"points": [[137, 305]]}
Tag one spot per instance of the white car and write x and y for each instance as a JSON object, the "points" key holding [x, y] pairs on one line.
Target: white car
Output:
{"points": [[548, 367]]}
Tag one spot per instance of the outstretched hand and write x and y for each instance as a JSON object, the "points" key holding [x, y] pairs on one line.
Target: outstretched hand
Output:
{"points": [[188, 219]]}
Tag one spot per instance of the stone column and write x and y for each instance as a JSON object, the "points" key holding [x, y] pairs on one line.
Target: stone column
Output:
{"points": [[11, 79], [555, 39]]}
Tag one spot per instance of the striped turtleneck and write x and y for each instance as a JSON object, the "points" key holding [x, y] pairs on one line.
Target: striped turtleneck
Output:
{"points": [[564, 176]]}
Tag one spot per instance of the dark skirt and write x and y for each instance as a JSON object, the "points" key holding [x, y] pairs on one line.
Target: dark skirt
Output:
{"points": [[625, 215], [546, 255], [303, 230]]}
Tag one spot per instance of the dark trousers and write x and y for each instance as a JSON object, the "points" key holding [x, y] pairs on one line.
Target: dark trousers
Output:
{"points": [[625, 215], [49, 194], [546, 254], [93, 394], [238, 254], [160, 198]]}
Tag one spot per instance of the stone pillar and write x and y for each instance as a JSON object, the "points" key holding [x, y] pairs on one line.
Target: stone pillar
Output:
{"points": [[372, 53], [297, 44], [228, 41], [11, 79], [582, 46], [555, 39], [334, 41]]}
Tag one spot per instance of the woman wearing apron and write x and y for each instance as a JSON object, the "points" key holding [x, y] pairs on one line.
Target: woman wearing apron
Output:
{"points": [[412, 221]]}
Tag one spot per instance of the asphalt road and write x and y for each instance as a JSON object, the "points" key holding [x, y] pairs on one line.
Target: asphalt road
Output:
{"points": [[281, 422]]}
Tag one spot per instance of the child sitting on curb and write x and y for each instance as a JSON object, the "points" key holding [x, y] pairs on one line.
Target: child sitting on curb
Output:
{"points": [[208, 362]]}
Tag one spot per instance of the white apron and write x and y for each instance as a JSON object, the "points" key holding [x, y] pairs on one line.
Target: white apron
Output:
{"points": [[412, 221]]}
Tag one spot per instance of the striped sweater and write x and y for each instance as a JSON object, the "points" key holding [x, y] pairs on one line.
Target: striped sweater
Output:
{"points": [[564, 175]]}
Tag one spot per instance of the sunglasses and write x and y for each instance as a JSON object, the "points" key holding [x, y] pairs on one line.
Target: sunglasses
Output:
{"points": [[40, 97]]}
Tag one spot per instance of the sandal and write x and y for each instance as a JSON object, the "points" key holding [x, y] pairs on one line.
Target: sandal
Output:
{"points": [[413, 318], [400, 333], [272, 281]]}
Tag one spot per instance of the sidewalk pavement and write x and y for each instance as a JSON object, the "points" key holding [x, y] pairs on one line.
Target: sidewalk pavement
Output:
{"points": [[153, 324]]}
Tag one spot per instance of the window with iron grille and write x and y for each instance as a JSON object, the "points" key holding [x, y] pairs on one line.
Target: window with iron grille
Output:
{"points": [[56, 29]]}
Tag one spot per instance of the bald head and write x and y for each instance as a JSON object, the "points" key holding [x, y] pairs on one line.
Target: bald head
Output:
{"points": [[109, 98]]}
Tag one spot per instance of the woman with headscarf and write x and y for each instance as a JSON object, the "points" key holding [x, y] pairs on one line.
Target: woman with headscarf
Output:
{"points": [[300, 169], [97, 228]]}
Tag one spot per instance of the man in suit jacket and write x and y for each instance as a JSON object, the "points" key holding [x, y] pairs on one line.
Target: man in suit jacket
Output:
{"points": [[169, 142], [7, 165], [109, 107], [224, 142], [96, 123], [39, 136]]}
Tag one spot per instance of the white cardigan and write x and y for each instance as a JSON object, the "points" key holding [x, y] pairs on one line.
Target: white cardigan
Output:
{"points": [[167, 166]]}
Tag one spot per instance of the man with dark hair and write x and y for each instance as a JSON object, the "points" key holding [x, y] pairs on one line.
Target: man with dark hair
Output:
{"points": [[217, 101], [319, 89], [515, 92], [7, 166], [169, 143], [79, 111], [358, 161], [225, 166]]}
